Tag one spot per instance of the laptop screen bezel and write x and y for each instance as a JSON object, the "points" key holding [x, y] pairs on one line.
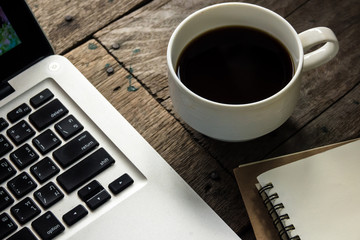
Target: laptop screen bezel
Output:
{"points": [[34, 45]]}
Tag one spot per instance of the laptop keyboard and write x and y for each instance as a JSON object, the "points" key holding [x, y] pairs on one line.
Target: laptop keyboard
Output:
{"points": [[45, 154]]}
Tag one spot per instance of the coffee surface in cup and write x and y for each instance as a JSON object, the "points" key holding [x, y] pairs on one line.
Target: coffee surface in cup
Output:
{"points": [[235, 65]]}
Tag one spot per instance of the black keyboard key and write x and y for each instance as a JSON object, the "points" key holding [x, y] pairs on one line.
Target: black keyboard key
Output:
{"points": [[21, 185], [85, 170], [5, 199], [75, 149], [44, 170], [41, 98], [3, 124], [6, 170], [25, 210], [98, 200], [74, 215], [48, 195], [19, 112], [46, 141], [90, 190], [48, 114], [5, 146], [120, 184], [24, 156], [47, 226], [20, 132], [68, 127], [23, 234], [7, 225]]}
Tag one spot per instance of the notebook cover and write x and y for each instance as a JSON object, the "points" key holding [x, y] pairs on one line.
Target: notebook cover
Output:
{"points": [[246, 178]]}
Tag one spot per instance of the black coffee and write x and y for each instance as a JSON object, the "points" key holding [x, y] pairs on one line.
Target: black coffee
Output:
{"points": [[235, 65]]}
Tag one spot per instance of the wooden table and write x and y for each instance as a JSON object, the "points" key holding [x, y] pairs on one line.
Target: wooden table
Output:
{"points": [[122, 43]]}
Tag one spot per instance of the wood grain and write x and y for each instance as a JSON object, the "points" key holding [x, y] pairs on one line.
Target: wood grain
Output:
{"points": [[87, 17]]}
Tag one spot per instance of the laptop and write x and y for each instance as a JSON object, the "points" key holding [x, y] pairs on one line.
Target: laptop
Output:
{"points": [[71, 167]]}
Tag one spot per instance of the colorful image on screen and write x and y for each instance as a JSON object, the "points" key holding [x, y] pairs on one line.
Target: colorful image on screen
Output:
{"points": [[8, 36]]}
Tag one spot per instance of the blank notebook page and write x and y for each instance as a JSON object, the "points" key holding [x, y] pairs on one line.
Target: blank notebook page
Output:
{"points": [[321, 194]]}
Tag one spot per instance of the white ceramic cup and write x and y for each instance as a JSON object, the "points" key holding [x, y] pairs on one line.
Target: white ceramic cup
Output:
{"points": [[241, 122]]}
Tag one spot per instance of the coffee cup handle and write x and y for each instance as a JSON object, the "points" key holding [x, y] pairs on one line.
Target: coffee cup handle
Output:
{"points": [[315, 36]]}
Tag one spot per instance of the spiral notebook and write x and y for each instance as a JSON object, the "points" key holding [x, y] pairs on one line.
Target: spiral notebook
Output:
{"points": [[315, 197]]}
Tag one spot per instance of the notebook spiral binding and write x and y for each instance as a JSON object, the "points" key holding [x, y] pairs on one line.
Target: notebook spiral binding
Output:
{"points": [[273, 210]]}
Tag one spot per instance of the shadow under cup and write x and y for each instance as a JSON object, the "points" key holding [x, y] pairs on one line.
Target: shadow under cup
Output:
{"points": [[234, 122]]}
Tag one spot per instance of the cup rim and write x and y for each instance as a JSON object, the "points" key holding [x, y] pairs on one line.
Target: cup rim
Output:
{"points": [[273, 97]]}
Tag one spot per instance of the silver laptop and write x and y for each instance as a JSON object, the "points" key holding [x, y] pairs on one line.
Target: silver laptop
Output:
{"points": [[71, 167]]}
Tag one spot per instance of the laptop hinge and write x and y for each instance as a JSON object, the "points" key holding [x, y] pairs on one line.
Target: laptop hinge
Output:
{"points": [[5, 90]]}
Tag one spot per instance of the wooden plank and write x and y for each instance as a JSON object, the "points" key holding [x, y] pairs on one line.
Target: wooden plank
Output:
{"points": [[87, 17], [215, 185], [338, 16], [339, 123]]}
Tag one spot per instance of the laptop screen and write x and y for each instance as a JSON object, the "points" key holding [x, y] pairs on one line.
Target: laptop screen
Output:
{"points": [[8, 37], [22, 42]]}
